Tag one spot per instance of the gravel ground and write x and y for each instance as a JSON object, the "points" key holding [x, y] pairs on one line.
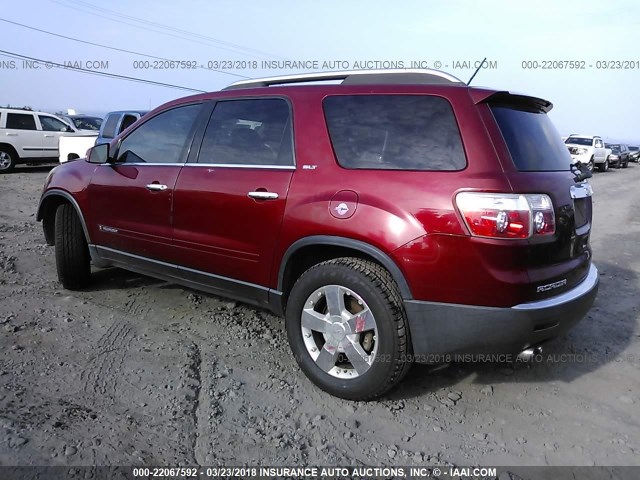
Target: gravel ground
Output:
{"points": [[137, 371]]}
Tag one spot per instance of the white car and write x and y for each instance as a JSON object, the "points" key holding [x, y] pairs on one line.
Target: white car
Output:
{"points": [[589, 150], [27, 136]]}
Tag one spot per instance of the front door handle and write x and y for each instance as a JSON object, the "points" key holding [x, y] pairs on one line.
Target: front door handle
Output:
{"points": [[48, 136], [156, 187], [11, 134], [263, 195]]}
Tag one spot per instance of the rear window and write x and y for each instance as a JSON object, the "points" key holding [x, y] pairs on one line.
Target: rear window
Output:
{"points": [[532, 140], [21, 121], [394, 132]]}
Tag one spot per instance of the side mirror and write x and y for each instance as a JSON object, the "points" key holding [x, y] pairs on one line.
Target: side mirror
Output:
{"points": [[98, 154]]}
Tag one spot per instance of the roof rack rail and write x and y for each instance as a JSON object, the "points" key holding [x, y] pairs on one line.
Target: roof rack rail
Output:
{"points": [[354, 77]]}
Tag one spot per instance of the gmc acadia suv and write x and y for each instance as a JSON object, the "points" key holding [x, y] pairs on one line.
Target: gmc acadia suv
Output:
{"points": [[391, 218]]}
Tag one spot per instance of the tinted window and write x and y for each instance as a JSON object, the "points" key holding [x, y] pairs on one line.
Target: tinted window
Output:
{"points": [[580, 141], [87, 123], [51, 124], [162, 139], [21, 121], [394, 132], [109, 130], [127, 121], [249, 132], [533, 142]]}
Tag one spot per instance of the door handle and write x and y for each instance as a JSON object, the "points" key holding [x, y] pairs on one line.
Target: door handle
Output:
{"points": [[12, 134], [263, 195], [48, 136], [156, 187]]}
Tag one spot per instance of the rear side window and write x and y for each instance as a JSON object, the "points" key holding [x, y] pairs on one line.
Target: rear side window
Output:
{"points": [[533, 142], [249, 132], [21, 121], [110, 125], [162, 139], [394, 132]]}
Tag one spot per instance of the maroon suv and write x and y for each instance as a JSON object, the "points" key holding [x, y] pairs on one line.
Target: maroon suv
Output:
{"points": [[391, 218]]}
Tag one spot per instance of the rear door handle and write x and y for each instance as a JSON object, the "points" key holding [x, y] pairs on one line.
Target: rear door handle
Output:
{"points": [[263, 195], [156, 187]]}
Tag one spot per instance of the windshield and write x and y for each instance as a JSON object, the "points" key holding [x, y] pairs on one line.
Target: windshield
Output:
{"points": [[534, 143], [579, 141], [87, 123]]}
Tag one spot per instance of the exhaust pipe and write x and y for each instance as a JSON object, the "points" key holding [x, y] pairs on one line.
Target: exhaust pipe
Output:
{"points": [[528, 354]]}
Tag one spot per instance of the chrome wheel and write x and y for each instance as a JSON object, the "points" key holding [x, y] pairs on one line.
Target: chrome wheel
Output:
{"points": [[5, 160], [339, 331]]}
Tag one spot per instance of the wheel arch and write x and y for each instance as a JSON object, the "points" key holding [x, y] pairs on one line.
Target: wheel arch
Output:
{"points": [[49, 203], [10, 147], [309, 251]]}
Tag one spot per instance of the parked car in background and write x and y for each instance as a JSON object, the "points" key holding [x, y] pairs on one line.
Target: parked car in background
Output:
{"points": [[634, 153], [27, 136], [83, 122], [618, 156], [116, 122], [404, 218], [587, 149]]}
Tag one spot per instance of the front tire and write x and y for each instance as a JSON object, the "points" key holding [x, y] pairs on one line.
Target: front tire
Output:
{"points": [[591, 164], [347, 328], [72, 252]]}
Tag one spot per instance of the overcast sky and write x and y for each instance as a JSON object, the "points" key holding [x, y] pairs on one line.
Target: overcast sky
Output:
{"points": [[590, 100]]}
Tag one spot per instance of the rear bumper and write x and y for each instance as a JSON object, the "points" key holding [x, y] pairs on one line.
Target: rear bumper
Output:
{"points": [[444, 328]]}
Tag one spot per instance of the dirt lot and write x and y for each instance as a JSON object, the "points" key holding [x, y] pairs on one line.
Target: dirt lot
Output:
{"points": [[136, 371]]}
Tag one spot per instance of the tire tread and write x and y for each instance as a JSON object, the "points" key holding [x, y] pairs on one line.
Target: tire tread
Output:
{"points": [[72, 252]]}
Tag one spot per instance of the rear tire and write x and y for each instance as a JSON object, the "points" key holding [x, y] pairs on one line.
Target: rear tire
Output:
{"points": [[8, 160], [72, 252], [367, 298], [603, 167]]}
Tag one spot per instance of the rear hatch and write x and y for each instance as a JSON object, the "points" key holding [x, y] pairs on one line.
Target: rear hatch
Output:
{"points": [[536, 161]]}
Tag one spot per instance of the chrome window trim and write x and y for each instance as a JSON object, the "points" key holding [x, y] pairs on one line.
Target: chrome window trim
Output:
{"points": [[242, 165], [139, 164]]}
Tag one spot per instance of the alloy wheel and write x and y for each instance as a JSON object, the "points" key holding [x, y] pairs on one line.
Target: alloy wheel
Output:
{"points": [[339, 331]]}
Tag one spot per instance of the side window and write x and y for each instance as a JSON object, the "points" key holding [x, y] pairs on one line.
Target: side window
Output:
{"points": [[161, 139], [394, 132], [598, 143], [249, 132], [51, 124], [127, 121], [21, 121], [110, 125]]}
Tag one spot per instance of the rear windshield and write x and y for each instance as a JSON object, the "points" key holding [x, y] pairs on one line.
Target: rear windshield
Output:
{"points": [[533, 142], [394, 132]]}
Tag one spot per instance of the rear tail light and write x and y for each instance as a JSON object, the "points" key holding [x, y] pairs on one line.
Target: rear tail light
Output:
{"points": [[506, 215]]}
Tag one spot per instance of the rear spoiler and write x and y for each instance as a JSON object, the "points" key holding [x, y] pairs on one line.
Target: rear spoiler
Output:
{"points": [[479, 95]]}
